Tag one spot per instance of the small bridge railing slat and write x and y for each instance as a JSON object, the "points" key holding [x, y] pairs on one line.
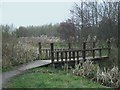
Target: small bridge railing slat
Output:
{"points": [[66, 56]]}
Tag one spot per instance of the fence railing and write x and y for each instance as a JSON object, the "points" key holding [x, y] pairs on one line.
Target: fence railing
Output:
{"points": [[68, 54]]}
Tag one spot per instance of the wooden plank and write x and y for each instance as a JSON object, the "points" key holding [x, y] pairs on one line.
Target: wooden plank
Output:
{"points": [[100, 52], [61, 56], [66, 56], [52, 52], [93, 50], [84, 51], [46, 53], [77, 55], [69, 46], [49, 53], [69, 55], [39, 49], [57, 56], [73, 55]]}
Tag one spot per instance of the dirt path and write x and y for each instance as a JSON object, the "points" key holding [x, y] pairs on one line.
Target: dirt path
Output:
{"points": [[7, 75]]}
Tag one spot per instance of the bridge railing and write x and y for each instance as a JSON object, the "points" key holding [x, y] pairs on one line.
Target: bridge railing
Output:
{"points": [[67, 54], [45, 53], [76, 54]]}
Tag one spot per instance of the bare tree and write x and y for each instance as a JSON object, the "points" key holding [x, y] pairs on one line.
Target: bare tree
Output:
{"points": [[99, 17]]}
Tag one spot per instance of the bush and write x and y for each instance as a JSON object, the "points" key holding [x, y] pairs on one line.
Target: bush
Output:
{"points": [[18, 54], [108, 77], [85, 69]]}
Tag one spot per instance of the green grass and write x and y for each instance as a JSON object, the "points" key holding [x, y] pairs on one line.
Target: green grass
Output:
{"points": [[5, 69], [50, 78]]}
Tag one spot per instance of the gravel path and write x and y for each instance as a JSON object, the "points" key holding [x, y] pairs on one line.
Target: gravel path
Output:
{"points": [[7, 75]]}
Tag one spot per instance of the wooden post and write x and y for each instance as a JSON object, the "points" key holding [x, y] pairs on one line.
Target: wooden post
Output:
{"points": [[39, 50], [57, 56], [52, 53], [69, 55], [108, 42], [65, 56], [73, 52], [69, 48], [93, 50], [100, 52], [61, 55], [77, 55], [49, 53], [84, 52], [46, 56]]}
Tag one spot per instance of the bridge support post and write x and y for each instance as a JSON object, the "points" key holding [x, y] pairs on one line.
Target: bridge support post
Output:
{"points": [[52, 53], [69, 47], [100, 52], [84, 52], [39, 57], [93, 50]]}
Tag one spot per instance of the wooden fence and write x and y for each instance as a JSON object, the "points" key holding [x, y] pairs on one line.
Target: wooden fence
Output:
{"points": [[68, 54]]}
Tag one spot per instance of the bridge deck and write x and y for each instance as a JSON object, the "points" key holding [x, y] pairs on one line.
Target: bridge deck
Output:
{"points": [[38, 63]]}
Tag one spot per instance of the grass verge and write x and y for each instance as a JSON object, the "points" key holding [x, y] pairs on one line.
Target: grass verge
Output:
{"points": [[50, 78]]}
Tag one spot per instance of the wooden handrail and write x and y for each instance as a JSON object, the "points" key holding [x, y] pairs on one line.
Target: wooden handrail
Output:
{"points": [[72, 53]]}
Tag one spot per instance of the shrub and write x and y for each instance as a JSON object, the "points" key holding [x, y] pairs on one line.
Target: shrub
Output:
{"points": [[85, 69], [108, 77], [17, 53]]}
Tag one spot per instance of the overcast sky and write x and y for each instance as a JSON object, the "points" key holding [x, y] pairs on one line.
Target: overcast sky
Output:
{"points": [[35, 13]]}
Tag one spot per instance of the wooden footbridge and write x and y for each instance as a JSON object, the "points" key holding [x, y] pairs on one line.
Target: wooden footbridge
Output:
{"points": [[85, 51], [60, 56]]}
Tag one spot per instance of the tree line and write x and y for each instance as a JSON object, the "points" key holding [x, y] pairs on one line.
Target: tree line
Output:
{"points": [[37, 31], [88, 19]]}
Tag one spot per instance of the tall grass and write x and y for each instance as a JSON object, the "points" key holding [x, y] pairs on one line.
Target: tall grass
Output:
{"points": [[16, 54], [108, 77]]}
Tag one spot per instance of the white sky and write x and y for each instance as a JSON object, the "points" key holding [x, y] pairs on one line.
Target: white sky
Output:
{"points": [[35, 13]]}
